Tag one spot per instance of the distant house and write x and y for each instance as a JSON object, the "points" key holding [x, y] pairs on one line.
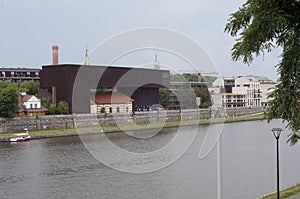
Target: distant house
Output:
{"points": [[30, 105], [111, 102]]}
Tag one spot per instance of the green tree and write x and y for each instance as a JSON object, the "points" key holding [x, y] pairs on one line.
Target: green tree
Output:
{"points": [[46, 102], [164, 97], [101, 89], [260, 26], [51, 110], [62, 108], [191, 77], [3, 84], [208, 80], [102, 110], [177, 78], [30, 87], [184, 77], [203, 93], [205, 105], [8, 100]]}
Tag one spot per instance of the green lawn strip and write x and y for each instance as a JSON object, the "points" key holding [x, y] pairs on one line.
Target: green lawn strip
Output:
{"points": [[72, 131], [285, 193], [41, 133]]}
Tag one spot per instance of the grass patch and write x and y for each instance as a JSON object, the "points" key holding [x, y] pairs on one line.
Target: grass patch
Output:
{"points": [[40, 133], [285, 193]]}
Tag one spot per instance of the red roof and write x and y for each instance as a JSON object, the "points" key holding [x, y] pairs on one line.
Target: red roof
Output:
{"points": [[25, 98], [111, 98]]}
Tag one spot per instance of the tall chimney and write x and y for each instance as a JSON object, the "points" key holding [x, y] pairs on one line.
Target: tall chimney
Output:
{"points": [[54, 54]]}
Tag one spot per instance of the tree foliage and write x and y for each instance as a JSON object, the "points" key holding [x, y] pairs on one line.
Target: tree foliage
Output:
{"points": [[30, 87], [8, 99], [164, 97], [46, 102], [259, 27], [187, 77], [184, 77], [61, 108], [204, 95]]}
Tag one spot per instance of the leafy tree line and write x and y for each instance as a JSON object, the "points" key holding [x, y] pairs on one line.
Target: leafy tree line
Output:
{"points": [[203, 93], [9, 99], [192, 78], [30, 87], [61, 108], [259, 27]]}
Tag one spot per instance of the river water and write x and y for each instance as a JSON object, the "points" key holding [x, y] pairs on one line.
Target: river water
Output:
{"points": [[63, 168]]}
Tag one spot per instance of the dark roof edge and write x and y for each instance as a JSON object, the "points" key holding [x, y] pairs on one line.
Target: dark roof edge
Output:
{"points": [[119, 67]]}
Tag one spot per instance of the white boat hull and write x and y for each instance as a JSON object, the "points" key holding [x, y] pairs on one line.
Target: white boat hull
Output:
{"points": [[20, 139]]}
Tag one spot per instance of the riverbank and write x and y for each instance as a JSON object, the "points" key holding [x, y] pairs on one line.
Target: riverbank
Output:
{"points": [[39, 134], [285, 193]]}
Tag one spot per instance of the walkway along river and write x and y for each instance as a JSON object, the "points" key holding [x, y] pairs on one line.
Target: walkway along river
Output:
{"points": [[62, 167]]}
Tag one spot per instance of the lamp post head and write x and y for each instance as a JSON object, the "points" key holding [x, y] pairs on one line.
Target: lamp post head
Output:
{"points": [[277, 132]]}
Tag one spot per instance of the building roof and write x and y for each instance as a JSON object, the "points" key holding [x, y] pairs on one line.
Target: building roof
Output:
{"points": [[111, 98], [261, 79], [19, 69], [25, 98]]}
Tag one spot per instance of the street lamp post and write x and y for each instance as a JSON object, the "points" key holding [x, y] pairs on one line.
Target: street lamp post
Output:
{"points": [[276, 133]]}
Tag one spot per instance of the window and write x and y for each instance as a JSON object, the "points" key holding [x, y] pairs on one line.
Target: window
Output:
{"points": [[110, 109], [127, 109], [30, 105], [35, 105], [118, 109]]}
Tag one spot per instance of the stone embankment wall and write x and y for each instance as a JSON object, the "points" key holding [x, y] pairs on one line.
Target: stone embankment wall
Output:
{"points": [[69, 121]]}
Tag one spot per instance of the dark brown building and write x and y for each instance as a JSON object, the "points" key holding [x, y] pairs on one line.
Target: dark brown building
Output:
{"points": [[73, 83]]}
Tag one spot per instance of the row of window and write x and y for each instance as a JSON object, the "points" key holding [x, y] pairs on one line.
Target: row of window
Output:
{"points": [[234, 101], [110, 109], [33, 105], [19, 74]]}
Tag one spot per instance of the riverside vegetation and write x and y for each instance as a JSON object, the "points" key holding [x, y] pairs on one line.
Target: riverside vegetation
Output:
{"points": [[285, 193], [114, 128]]}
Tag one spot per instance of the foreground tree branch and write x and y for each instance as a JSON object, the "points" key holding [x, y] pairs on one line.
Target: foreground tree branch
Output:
{"points": [[260, 26]]}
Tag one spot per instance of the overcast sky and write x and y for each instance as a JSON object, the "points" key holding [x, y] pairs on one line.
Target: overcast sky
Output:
{"points": [[29, 29]]}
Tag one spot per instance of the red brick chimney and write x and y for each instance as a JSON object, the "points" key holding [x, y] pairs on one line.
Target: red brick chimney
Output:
{"points": [[54, 54]]}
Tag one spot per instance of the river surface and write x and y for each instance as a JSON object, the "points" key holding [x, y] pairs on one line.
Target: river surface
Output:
{"points": [[63, 167]]}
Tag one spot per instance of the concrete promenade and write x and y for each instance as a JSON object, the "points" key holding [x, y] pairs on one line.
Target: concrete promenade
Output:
{"points": [[297, 196]]}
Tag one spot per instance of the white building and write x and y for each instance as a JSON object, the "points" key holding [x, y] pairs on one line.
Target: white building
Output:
{"points": [[111, 102], [242, 91], [267, 87], [30, 101], [30, 105], [250, 86]]}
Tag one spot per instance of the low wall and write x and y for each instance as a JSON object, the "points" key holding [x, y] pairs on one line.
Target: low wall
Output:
{"points": [[68, 121]]}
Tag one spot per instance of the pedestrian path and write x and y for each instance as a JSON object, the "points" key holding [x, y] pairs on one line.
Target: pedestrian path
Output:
{"points": [[297, 196]]}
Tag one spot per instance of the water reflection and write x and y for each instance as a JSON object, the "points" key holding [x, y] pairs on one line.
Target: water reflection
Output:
{"points": [[63, 168]]}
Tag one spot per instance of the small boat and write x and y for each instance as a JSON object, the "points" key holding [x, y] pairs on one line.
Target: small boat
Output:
{"points": [[20, 137]]}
